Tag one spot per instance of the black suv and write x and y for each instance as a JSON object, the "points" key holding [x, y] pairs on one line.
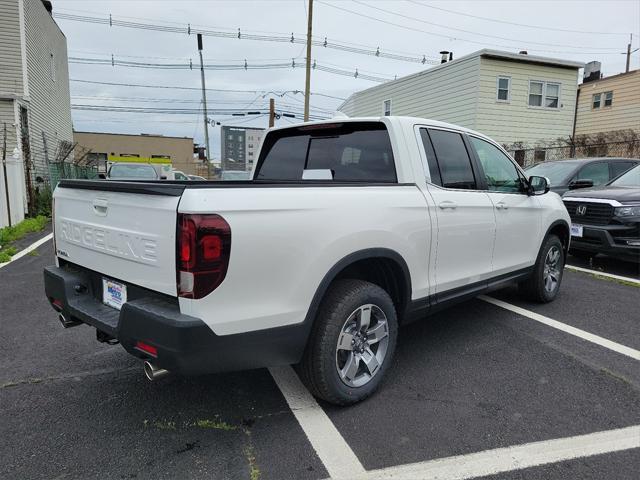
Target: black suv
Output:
{"points": [[607, 219], [577, 173]]}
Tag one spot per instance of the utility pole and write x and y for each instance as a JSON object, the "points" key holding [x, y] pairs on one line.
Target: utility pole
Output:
{"points": [[307, 83], [272, 112], [204, 103], [629, 51]]}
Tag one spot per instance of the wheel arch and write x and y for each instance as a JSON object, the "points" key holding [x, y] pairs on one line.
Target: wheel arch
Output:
{"points": [[377, 265], [561, 229]]}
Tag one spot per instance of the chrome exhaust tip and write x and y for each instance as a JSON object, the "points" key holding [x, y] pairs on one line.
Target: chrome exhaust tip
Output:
{"points": [[67, 323], [154, 373]]}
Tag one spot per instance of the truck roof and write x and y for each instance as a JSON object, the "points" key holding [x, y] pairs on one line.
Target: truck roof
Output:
{"points": [[402, 121]]}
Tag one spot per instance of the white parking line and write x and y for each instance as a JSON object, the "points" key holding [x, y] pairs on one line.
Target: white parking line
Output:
{"points": [[590, 337], [602, 274], [30, 248], [490, 462], [329, 444]]}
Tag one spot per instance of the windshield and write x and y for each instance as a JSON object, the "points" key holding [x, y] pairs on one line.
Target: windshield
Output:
{"points": [[132, 171], [629, 179], [556, 172]]}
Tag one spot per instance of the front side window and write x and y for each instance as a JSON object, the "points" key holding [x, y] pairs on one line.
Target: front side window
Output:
{"points": [[544, 94], [140, 171], [354, 152], [500, 172], [608, 99], [453, 160], [504, 84], [596, 172], [596, 99]]}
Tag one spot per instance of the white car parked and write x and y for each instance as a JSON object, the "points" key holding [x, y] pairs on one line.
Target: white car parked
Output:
{"points": [[348, 229]]}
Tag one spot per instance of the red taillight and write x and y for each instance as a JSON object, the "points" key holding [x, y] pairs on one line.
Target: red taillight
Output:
{"points": [[146, 348], [204, 245]]}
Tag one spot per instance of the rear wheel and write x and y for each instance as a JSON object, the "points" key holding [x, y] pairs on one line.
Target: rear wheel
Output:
{"points": [[352, 342], [544, 283]]}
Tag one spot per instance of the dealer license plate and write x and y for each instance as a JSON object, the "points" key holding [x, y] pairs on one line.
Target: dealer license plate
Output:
{"points": [[114, 294], [576, 230]]}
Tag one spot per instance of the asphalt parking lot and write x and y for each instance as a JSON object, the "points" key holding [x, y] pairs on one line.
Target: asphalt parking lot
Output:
{"points": [[472, 379]]}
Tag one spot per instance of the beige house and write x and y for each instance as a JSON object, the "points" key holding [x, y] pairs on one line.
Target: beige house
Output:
{"points": [[175, 150], [508, 96], [609, 104], [35, 105]]}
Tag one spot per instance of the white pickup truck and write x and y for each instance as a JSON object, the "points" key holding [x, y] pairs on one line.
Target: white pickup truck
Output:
{"points": [[348, 229]]}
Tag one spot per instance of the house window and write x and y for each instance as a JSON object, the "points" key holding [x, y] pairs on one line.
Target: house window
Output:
{"points": [[387, 108], [608, 99], [544, 94], [539, 155], [52, 66], [595, 103], [552, 95], [504, 86], [164, 157], [518, 156]]}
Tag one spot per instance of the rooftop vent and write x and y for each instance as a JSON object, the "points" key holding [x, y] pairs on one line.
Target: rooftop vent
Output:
{"points": [[591, 72], [447, 56]]}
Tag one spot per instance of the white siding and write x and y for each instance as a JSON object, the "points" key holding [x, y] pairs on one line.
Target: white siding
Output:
{"points": [[50, 105], [10, 54], [515, 121], [446, 93]]}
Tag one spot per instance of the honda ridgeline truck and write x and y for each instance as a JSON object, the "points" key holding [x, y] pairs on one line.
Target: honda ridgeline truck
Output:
{"points": [[348, 229]]}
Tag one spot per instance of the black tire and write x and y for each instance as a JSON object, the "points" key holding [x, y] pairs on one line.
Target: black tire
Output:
{"points": [[319, 367], [534, 288]]}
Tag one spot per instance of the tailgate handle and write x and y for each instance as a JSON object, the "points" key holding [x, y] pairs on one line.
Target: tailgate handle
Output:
{"points": [[100, 206]]}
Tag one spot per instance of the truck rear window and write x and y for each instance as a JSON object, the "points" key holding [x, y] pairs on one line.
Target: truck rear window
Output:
{"points": [[353, 151]]}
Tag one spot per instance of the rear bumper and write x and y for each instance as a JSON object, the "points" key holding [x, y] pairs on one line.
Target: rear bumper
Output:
{"points": [[185, 345], [609, 240]]}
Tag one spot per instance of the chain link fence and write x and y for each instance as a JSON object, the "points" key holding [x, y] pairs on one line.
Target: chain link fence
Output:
{"points": [[531, 156]]}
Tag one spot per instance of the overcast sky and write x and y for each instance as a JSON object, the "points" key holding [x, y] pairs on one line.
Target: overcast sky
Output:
{"points": [[412, 28]]}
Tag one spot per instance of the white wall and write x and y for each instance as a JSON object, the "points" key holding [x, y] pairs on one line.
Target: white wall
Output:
{"points": [[446, 93]]}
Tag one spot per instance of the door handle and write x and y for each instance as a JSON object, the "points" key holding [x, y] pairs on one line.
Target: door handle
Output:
{"points": [[502, 206], [447, 204], [100, 206]]}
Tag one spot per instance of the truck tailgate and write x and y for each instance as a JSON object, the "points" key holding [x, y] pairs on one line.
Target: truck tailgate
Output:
{"points": [[121, 234]]}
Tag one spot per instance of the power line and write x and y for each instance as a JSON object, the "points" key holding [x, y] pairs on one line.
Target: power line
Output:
{"points": [[113, 62], [185, 111], [179, 87], [188, 30], [450, 37], [519, 41], [554, 29]]}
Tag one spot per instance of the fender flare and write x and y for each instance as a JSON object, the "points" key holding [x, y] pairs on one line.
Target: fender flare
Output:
{"points": [[348, 260], [554, 225]]}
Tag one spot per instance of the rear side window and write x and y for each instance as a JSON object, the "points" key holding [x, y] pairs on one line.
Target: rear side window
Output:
{"points": [[452, 159], [618, 168], [354, 152]]}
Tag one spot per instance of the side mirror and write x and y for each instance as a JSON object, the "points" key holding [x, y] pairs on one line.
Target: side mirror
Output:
{"points": [[538, 185], [163, 177], [586, 183], [102, 176]]}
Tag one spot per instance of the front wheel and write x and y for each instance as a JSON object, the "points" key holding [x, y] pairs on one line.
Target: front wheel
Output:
{"points": [[544, 283], [352, 342]]}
